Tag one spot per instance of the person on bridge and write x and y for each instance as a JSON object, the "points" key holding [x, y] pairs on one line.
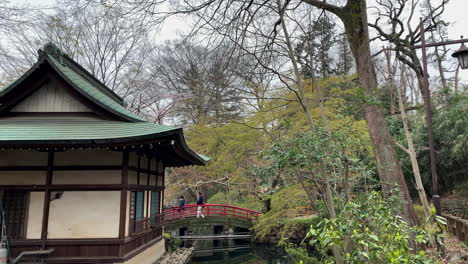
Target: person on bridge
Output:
{"points": [[181, 205], [200, 203]]}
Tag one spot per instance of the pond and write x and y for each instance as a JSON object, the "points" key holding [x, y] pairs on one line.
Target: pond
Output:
{"points": [[235, 251]]}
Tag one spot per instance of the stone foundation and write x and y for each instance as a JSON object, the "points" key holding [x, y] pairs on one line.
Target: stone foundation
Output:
{"points": [[180, 256]]}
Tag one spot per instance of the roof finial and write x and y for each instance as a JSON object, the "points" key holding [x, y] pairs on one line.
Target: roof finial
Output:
{"points": [[51, 49]]}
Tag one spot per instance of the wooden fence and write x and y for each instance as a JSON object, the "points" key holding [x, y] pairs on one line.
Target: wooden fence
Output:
{"points": [[457, 226]]}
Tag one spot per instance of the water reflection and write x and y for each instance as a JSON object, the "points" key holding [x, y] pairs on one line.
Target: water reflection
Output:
{"points": [[235, 251]]}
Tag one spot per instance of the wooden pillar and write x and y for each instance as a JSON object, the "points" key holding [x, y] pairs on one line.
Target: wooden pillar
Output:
{"points": [[123, 195], [46, 207], [138, 169], [162, 184], [148, 193]]}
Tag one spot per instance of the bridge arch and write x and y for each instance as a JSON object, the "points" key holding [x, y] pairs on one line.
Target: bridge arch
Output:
{"points": [[229, 217]]}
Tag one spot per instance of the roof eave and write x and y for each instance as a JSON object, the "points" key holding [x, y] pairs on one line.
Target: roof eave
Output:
{"points": [[25, 75], [180, 147]]}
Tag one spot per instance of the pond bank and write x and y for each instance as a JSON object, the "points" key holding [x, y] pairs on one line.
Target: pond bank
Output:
{"points": [[180, 256]]}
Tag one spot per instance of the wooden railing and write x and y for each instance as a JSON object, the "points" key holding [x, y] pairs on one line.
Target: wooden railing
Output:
{"points": [[190, 210], [145, 224], [140, 225], [457, 226]]}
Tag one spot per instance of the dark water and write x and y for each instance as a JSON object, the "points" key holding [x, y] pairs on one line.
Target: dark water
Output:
{"points": [[235, 251]]}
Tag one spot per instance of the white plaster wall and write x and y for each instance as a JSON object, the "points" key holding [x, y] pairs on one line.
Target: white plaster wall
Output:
{"points": [[88, 157], [87, 177], [35, 213], [22, 177], [23, 158], [149, 255], [85, 214]]}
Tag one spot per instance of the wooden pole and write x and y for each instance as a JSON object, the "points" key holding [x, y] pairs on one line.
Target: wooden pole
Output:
{"points": [[427, 97], [46, 208]]}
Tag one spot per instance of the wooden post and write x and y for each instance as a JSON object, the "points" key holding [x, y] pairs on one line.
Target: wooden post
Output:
{"points": [[138, 170], [427, 97], [123, 194], [148, 193], [46, 208]]}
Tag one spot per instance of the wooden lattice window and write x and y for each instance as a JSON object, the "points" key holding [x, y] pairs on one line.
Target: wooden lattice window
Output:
{"points": [[137, 203], [15, 208]]}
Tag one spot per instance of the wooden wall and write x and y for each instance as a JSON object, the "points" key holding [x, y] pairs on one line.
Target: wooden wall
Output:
{"points": [[51, 97], [89, 209]]}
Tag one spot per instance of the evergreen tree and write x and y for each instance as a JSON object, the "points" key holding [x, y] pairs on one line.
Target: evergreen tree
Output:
{"points": [[314, 46], [345, 57]]}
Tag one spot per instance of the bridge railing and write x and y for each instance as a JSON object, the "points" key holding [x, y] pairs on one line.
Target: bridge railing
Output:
{"points": [[190, 210]]}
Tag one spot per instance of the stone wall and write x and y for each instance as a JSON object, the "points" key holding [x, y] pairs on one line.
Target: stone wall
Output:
{"points": [[455, 207]]}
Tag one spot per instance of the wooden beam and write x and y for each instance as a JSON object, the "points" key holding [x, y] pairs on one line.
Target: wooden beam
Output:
{"points": [[61, 168], [87, 167], [45, 212], [123, 196], [140, 170], [81, 187]]}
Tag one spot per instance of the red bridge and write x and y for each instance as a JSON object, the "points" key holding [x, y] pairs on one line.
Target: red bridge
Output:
{"points": [[209, 210]]}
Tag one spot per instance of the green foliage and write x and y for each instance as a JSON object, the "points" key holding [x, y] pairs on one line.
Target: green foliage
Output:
{"points": [[368, 231], [277, 221], [299, 254], [171, 244], [315, 155], [233, 198]]}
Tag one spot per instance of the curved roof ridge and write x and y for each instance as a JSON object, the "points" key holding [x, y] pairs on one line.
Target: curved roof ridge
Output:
{"points": [[52, 49], [86, 88]]}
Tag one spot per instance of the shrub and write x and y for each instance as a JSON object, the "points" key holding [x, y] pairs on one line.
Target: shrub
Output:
{"points": [[368, 231]]}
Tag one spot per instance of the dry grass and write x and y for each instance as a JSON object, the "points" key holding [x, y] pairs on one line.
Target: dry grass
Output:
{"points": [[456, 252]]}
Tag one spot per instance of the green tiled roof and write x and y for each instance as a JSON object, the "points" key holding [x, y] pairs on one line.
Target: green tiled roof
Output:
{"points": [[44, 130], [76, 130], [89, 90]]}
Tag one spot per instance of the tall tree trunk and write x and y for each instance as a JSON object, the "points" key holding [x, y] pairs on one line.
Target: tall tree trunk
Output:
{"points": [[354, 18], [455, 85], [411, 151], [413, 96]]}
